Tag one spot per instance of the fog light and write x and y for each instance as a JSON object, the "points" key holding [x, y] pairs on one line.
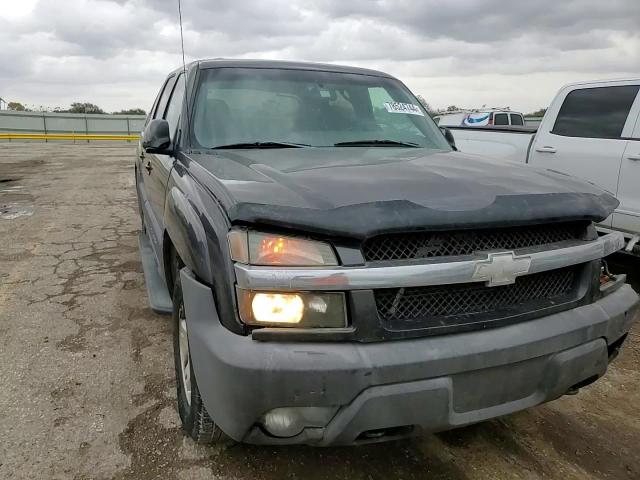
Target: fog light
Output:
{"points": [[291, 421], [283, 422], [277, 307]]}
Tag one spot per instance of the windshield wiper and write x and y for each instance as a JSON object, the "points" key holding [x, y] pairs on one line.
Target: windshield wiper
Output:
{"points": [[366, 143], [261, 145]]}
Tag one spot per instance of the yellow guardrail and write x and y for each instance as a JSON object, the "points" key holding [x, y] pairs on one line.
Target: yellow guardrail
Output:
{"points": [[65, 136]]}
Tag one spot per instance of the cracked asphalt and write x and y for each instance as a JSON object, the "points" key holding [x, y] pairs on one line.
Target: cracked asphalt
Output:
{"points": [[87, 374]]}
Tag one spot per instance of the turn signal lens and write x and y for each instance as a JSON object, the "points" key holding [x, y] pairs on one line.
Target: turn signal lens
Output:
{"points": [[257, 248], [238, 245], [277, 308]]}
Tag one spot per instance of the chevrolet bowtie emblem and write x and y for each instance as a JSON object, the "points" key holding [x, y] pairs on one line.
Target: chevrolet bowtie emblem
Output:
{"points": [[501, 269]]}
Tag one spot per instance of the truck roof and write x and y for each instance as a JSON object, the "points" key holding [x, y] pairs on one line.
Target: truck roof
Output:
{"points": [[602, 80], [282, 64], [478, 110]]}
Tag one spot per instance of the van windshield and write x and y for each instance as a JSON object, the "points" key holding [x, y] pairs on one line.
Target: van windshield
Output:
{"points": [[276, 107]]}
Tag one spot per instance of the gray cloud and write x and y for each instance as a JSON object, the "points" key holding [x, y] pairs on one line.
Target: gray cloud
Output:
{"points": [[493, 20], [469, 52]]}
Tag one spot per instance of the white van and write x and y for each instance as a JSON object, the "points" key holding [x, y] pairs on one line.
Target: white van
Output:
{"points": [[480, 118]]}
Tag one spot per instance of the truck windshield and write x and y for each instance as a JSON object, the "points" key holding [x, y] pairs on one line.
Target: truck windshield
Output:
{"points": [[273, 108]]}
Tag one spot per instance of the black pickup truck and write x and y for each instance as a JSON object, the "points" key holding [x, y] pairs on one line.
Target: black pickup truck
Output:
{"points": [[339, 274]]}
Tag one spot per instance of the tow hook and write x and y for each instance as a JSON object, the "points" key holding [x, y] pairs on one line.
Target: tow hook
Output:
{"points": [[605, 275]]}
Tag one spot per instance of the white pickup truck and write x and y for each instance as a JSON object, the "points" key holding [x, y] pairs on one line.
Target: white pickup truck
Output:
{"points": [[591, 131]]}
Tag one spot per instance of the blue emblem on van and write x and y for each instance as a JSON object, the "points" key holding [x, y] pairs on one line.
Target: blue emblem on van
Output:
{"points": [[477, 119]]}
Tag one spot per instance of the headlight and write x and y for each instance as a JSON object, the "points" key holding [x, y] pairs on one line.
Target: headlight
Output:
{"points": [[293, 309], [267, 249], [277, 308]]}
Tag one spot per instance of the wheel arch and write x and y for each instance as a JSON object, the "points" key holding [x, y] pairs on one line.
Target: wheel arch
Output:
{"points": [[184, 234]]}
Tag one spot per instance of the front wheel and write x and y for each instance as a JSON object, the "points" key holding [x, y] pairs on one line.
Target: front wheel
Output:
{"points": [[196, 421]]}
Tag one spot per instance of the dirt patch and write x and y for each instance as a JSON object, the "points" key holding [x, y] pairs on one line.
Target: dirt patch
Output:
{"points": [[602, 448], [153, 447], [15, 203]]}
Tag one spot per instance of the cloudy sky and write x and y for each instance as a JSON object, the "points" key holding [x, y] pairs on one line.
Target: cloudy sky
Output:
{"points": [[471, 52]]}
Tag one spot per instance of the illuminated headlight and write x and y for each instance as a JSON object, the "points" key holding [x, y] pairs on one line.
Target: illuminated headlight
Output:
{"points": [[256, 248], [299, 309], [277, 308]]}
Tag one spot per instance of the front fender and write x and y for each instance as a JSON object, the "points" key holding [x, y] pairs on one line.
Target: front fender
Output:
{"points": [[198, 227], [187, 234]]}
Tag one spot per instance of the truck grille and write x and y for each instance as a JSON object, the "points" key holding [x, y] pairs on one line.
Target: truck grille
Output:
{"points": [[449, 305], [416, 245]]}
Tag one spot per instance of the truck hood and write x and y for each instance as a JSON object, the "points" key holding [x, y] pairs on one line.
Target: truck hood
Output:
{"points": [[360, 192]]}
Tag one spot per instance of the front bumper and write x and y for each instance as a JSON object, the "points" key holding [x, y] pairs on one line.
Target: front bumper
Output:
{"points": [[400, 387]]}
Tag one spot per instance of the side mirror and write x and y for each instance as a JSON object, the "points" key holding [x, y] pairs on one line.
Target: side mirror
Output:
{"points": [[156, 138], [449, 136]]}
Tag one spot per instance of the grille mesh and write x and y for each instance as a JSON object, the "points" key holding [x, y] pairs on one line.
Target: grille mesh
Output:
{"points": [[406, 246], [436, 305]]}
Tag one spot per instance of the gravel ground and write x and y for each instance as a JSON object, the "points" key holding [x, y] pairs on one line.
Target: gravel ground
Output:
{"points": [[88, 376]]}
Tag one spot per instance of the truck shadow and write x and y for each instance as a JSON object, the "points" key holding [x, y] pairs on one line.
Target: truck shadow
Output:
{"points": [[406, 459]]}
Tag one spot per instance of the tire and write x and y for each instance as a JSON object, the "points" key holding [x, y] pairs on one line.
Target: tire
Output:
{"points": [[196, 421]]}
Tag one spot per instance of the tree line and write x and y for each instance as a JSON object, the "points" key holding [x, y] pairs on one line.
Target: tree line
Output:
{"points": [[75, 107]]}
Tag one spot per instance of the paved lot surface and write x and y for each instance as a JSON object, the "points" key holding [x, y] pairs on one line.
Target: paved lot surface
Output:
{"points": [[87, 377]]}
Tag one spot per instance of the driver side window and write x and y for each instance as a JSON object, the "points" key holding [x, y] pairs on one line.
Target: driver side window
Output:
{"points": [[164, 98]]}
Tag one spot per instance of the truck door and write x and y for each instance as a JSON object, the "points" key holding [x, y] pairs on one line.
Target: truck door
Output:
{"points": [[143, 179], [582, 134], [155, 170], [627, 216]]}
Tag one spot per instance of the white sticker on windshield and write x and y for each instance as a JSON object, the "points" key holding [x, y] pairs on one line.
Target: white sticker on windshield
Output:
{"points": [[397, 107]]}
